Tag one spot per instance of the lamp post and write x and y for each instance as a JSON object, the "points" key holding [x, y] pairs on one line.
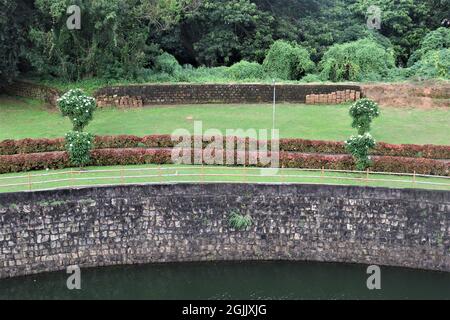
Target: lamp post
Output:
{"points": [[274, 105]]}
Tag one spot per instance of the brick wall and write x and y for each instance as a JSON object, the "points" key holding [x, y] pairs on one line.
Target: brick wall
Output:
{"points": [[336, 97]]}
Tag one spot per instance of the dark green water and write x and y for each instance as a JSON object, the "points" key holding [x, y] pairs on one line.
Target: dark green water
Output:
{"points": [[254, 280]]}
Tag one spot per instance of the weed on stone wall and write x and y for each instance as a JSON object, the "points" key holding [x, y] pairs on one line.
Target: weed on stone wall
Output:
{"points": [[240, 222]]}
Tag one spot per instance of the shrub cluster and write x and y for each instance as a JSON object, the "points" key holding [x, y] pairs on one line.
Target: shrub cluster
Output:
{"points": [[167, 64], [288, 61], [359, 146], [10, 147], [245, 70], [359, 60], [34, 161], [137, 156], [79, 145]]}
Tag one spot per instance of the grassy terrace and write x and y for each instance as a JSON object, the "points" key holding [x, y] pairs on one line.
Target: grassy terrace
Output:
{"points": [[23, 118], [172, 174]]}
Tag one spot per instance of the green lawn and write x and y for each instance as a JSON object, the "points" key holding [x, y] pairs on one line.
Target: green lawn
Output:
{"points": [[24, 118], [199, 174]]}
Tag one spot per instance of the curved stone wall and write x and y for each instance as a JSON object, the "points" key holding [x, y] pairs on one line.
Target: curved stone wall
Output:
{"points": [[48, 231]]}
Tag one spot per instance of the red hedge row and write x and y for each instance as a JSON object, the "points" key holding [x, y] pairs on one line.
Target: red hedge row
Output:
{"points": [[110, 157], [10, 147]]}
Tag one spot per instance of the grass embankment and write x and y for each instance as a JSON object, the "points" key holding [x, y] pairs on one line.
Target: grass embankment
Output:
{"points": [[172, 174], [25, 118]]}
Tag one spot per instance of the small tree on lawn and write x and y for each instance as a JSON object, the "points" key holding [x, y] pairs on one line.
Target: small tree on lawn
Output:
{"points": [[79, 108], [363, 112]]}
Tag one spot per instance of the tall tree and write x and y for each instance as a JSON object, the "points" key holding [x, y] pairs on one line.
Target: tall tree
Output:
{"points": [[220, 32]]}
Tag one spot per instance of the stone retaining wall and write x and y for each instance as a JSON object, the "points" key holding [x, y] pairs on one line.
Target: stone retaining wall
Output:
{"points": [[32, 90], [138, 95], [388, 95], [48, 231]]}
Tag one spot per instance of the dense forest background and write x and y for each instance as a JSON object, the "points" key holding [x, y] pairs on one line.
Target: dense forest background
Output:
{"points": [[184, 40]]}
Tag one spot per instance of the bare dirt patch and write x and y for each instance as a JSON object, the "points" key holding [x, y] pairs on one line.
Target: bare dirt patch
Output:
{"points": [[425, 96]]}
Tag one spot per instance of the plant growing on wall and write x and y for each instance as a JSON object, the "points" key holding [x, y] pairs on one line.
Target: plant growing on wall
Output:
{"points": [[79, 145], [239, 221], [363, 112], [78, 107]]}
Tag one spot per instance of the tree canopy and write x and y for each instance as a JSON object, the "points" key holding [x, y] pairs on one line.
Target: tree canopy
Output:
{"points": [[124, 39]]}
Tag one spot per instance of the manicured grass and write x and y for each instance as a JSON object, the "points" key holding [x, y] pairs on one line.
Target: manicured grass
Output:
{"points": [[177, 174], [24, 118]]}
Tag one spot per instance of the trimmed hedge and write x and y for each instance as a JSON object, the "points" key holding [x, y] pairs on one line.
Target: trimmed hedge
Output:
{"points": [[10, 147], [34, 161], [136, 156]]}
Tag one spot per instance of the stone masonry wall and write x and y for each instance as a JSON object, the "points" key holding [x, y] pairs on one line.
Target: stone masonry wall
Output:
{"points": [[35, 91], [48, 231], [388, 95], [138, 95]]}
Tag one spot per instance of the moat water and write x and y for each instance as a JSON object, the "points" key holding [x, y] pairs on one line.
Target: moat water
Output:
{"points": [[245, 280]]}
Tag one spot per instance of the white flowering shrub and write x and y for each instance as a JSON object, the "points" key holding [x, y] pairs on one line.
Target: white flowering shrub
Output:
{"points": [[79, 145], [359, 146], [79, 107], [363, 112]]}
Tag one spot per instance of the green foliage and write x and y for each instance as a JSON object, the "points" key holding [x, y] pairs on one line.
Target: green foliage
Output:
{"points": [[311, 78], [404, 22], [167, 64], [79, 107], [287, 61], [110, 44], [356, 61], [363, 112], [11, 38], [223, 32], [329, 22], [122, 40], [359, 146], [246, 70], [239, 222], [433, 41], [78, 146], [434, 64]]}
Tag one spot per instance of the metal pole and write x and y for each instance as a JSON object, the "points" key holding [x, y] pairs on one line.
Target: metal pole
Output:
{"points": [[274, 106]]}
